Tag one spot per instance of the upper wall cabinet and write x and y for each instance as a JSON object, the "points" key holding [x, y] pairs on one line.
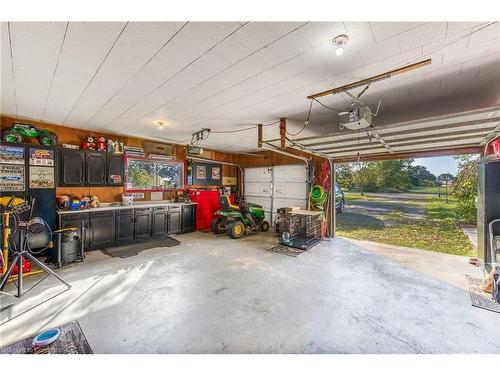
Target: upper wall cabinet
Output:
{"points": [[90, 168], [72, 167], [95, 169]]}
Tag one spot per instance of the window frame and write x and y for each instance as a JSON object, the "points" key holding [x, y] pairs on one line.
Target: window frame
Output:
{"points": [[156, 188]]}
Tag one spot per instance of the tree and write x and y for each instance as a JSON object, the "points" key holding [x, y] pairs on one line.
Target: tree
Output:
{"points": [[393, 174], [344, 175], [420, 176], [464, 187], [446, 178]]}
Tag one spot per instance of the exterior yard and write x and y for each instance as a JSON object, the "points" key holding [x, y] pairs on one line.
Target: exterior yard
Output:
{"points": [[412, 220]]}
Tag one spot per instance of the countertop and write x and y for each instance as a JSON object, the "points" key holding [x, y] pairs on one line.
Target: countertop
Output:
{"points": [[107, 207]]}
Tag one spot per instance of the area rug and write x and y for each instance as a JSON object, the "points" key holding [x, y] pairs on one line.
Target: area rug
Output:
{"points": [[71, 341], [479, 298], [135, 248], [285, 250]]}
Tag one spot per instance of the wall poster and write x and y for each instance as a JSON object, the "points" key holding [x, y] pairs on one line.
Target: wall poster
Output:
{"points": [[41, 178], [201, 172], [11, 155], [215, 173], [11, 177], [40, 156]]}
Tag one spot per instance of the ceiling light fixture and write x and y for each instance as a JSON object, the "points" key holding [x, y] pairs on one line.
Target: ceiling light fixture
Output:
{"points": [[339, 42], [160, 124]]}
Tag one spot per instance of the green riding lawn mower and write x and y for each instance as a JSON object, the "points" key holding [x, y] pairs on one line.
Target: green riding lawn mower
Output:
{"points": [[19, 132], [237, 221]]}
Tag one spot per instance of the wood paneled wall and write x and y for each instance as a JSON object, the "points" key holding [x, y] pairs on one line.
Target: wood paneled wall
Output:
{"points": [[76, 136]]}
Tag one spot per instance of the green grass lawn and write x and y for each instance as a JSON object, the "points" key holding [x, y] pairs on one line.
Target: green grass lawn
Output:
{"points": [[429, 190], [437, 231]]}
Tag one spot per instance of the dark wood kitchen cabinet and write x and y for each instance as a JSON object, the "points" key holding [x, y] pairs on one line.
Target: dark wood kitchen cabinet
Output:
{"points": [[72, 164], [143, 220], [95, 168], [115, 170], [188, 217], [160, 221], [102, 230], [80, 221], [124, 225], [174, 219]]}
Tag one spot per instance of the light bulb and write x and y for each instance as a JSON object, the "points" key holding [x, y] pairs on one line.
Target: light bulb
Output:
{"points": [[339, 51], [161, 127]]}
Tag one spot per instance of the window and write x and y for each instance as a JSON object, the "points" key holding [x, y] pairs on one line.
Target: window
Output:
{"points": [[154, 175]]}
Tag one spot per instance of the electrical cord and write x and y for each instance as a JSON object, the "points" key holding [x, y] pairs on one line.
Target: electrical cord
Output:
{"points": [[305, 122], [330, 108]]}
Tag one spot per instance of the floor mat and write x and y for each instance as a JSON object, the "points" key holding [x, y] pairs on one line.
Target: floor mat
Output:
{"points": [[285, 250], [71, 341], [135, 248], [479, 298]]}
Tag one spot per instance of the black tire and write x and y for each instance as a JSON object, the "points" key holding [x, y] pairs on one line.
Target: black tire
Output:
{"points": [[218, 225], [264, 226], [47, 139], [235, 229], [8, 133], [340, 208]]}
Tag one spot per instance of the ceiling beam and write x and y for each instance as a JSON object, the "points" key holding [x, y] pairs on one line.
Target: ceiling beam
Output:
{"points": [[376, 78], [413, 154], [399, 125]]}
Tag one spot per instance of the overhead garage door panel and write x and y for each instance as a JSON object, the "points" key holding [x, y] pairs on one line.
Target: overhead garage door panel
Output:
{"points": [[258, 175], [290, 190], [290, 173], [258, 189]]}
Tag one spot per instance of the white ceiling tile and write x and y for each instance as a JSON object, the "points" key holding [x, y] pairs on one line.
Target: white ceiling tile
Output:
{"points": [[483, 34], [85, 47], [384, 30], [420, 35], [360, 34], [255, 35], [35, 49], [317, 33], [8, 104], [217, 31], [379, 51], [283, 28], [454, 28]]}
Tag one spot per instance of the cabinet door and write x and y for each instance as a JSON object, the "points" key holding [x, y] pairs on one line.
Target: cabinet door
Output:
{"points": [[79, 221], [124, 225], [72, 167], [188, 217], [115, 170], [142, 223], [159, 225], [174, 220], [102, 229], [95, 168]]}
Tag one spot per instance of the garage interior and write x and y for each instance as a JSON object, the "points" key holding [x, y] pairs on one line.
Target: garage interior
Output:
{"points": [[176, 183]]}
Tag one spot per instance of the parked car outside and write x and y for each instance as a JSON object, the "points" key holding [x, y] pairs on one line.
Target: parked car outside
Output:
{"points": [[339, 199]]}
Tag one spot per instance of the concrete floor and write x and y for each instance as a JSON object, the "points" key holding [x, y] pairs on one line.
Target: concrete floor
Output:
{"points": [[213, 294]]}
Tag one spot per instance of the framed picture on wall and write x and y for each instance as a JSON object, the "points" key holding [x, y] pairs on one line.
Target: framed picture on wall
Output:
{"points": [[201, 172], [215, 173], [41, 178]]}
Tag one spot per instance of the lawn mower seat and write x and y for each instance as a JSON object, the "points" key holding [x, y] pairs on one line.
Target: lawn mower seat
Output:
{"points": [[225, 204]]}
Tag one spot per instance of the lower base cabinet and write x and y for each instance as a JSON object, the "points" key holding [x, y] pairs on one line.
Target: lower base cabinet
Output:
{"points": [[143, 223], [124, 225], [101, 229], [174, 220]]}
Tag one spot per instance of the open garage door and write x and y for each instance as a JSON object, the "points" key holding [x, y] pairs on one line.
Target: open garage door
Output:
{"points": [[274, 187]]}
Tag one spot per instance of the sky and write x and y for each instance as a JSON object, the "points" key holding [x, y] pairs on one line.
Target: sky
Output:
{"points": [[439, 165]]}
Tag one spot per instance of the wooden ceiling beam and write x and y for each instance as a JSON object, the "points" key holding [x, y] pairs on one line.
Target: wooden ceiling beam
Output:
{"points": [[376, 78]]}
